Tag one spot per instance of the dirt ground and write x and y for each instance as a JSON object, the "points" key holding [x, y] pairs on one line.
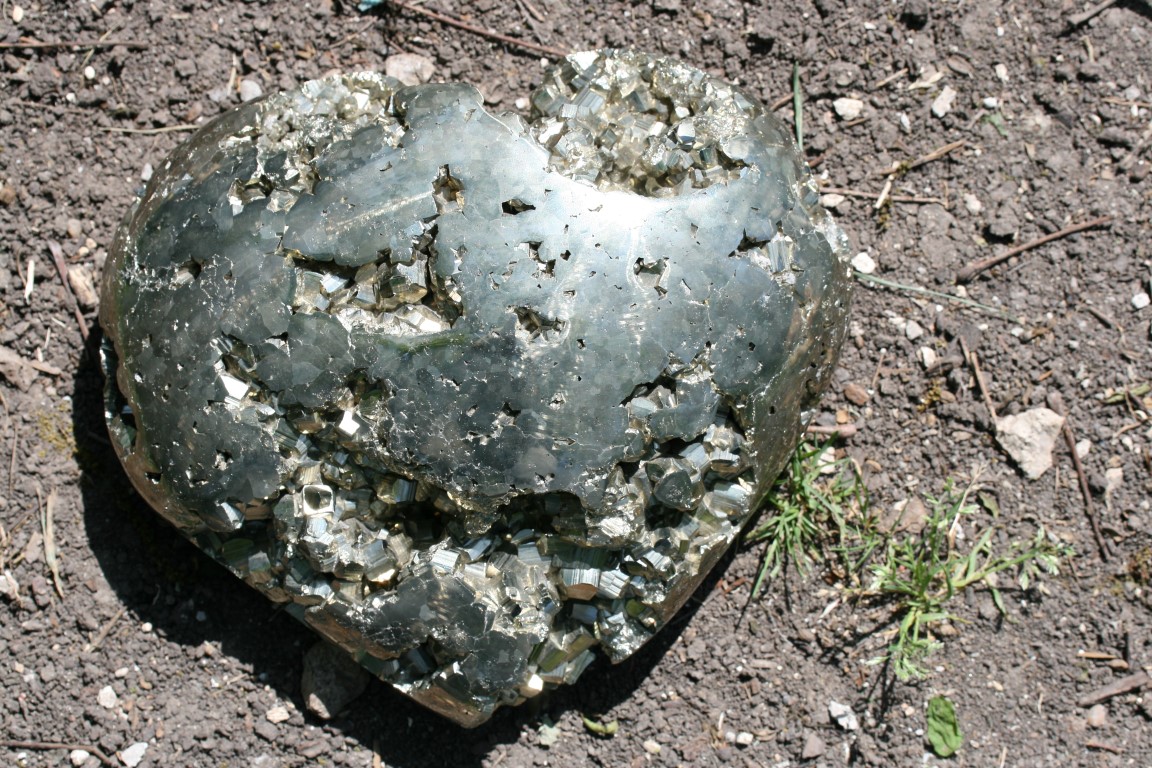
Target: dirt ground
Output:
{"points": [[147, 642]]}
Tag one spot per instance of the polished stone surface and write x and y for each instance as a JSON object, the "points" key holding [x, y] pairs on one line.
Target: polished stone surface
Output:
{"points": [[474, 396]]}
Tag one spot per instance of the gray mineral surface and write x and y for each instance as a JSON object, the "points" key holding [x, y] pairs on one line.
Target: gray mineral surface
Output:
{"points": [[473, 396]]}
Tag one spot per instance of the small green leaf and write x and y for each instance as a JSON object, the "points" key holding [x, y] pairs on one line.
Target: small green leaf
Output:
{"points": [[989, 503], [603, 730], [943, 727]]}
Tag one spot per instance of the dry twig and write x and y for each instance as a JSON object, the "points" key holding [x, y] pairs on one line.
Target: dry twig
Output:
{"points": [[936, 154], [150, 131], [1116, 688], [44, 745], [1057, 404], [105, 630], [843, 430], [62, 269], [72, 44], [1077, 19], [453, 22], [970, 356], [965, 275]]}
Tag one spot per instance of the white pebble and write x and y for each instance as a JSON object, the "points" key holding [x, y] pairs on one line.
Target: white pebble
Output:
{"points": [[942, 105], [927, 357], [1141, 300], [1001, 72], [78, 757], [134, 754], [89, 72], [992, 102], [107, 697], [250, 89], [863, 263], [913, 330], [1083, 448], [848, 109], [17, 14], [146, 172], [972, 203], [832, 200], [146, 627]]}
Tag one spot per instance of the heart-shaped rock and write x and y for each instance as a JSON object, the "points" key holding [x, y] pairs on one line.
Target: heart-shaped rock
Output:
{"points": [[473, 396]]}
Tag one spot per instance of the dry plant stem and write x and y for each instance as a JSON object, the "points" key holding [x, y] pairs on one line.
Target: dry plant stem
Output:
{"points": [[74, 44], [1077, 19], [62, 269], [1106, 747], [876, 196], [934, 294], [90, 749], [967, 273], [843, 430], [1121, 686], [443, 19], [970, 356], [150, 131], [106, 629], [47, 524], [935, 154], [1085, 491]]}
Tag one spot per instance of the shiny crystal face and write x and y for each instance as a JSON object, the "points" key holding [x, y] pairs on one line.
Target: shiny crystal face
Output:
{"points": [[474, 396]]}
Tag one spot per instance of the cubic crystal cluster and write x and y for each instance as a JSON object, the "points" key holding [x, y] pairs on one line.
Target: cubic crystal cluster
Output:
{"points": [[474, 396]]}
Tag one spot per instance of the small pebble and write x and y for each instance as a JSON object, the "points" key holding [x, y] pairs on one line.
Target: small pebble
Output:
{"points": [[17, 14], [146, 172], [745, 739], [201, 616], [973, 204], [992, 102], [813, 747], [856, 394], [848, 109], [927, 357], [250, 89], [913, 330], [78, 757], [651, 747], [1141, 300], [89, 72], [863, 263], [832, 200], [1083, 448], [277, 714], [942, 104], [1098, 716], [107, 697], [74, 228], [132, 756], [409, 68]]}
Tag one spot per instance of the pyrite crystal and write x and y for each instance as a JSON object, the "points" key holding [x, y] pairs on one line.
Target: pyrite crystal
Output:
{"points": [[473, 396]]}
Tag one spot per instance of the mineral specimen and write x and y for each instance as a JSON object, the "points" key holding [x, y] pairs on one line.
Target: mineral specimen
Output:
{"points": [[472, 395]]}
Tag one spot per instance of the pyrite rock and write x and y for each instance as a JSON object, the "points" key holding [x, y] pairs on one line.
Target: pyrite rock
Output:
{"points": [[474, 395]]}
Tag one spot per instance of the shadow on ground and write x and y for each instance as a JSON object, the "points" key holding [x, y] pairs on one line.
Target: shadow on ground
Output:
{"points": [[189, 599]]}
